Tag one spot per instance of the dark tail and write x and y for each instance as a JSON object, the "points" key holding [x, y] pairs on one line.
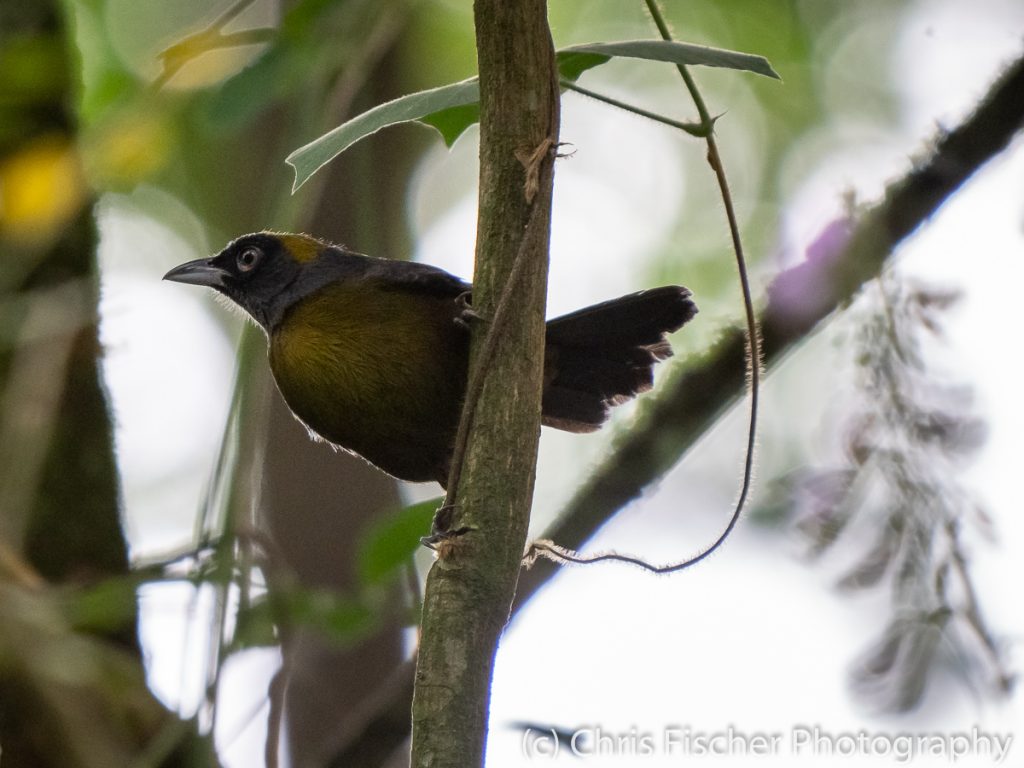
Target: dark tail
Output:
{"points": [[604, 355]]}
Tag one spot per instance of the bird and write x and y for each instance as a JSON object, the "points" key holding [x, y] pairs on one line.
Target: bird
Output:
{"points": [[371, 354]]}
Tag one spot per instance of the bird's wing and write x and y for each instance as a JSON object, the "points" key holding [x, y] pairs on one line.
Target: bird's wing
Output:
{"points": [[419, 278]]}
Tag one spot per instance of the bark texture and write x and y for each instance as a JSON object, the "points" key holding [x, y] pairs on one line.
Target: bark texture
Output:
{"points": [[471, 586]]}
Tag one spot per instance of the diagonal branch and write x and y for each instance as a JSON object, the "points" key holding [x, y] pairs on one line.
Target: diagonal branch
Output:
{"points": [[798, 300]]}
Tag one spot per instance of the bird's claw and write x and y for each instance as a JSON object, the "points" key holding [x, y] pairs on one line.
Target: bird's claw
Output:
{"points": [[442, 537], [440, 540], [465, 315]]}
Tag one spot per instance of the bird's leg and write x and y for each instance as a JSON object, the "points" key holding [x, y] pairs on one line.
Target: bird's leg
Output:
{"points": [[466, 315], [443, 539]]}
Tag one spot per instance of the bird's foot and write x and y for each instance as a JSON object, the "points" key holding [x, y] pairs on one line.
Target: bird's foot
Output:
{"points": [[443, 537], [466, 315]]}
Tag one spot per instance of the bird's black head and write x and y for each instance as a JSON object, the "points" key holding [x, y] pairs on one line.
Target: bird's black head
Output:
{"points": [[256, 271]]}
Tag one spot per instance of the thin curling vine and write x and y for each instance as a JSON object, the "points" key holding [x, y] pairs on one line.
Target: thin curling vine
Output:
{"points": [[561, 555]]}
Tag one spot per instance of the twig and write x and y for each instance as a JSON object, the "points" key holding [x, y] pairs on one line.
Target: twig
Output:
{"points": [[210, 38], [17, 571], [700, 130], [972, 611], [276, 692]]}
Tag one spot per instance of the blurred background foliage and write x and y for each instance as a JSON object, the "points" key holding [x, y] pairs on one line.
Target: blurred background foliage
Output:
{"points": [[897, 499], [163, 129]]}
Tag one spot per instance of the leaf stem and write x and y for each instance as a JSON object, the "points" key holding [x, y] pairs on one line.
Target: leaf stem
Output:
{"points": [[700, 130]]}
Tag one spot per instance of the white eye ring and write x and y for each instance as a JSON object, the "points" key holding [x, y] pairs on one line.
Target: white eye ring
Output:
{"points": [[248, 259]]}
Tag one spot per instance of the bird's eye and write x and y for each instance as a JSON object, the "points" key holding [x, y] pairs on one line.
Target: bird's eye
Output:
{"points": [[248, 259]]}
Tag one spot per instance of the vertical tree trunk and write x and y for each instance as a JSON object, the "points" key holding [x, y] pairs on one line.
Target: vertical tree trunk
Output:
{"points": [[469, 590]]}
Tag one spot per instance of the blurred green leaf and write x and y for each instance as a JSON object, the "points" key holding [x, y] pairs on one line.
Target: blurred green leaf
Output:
{"points": [[391, 543], [339, 617], [106, 80], [256, 626], [238, 101], [34, 69], [107, 606]]}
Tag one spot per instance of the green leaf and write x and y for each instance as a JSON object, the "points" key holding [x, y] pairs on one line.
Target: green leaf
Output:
{"points": [[575, 58], [572, 63], [441, 105], [391, 544], [451, 123], [107, 606], [339, 617], [256, 625], [451, 109]]}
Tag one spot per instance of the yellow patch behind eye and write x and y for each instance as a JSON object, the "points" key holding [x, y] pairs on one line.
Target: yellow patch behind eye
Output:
{"points": [[302, 248]]}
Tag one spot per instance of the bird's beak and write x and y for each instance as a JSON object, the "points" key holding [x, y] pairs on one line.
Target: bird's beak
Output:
{"points": [[198, 272]]}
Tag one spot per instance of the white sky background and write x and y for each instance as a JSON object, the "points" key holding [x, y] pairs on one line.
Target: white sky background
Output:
{"points": [[756, 637]]}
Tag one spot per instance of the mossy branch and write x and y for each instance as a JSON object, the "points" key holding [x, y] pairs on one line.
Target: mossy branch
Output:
{"points": [[851, 254]]}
